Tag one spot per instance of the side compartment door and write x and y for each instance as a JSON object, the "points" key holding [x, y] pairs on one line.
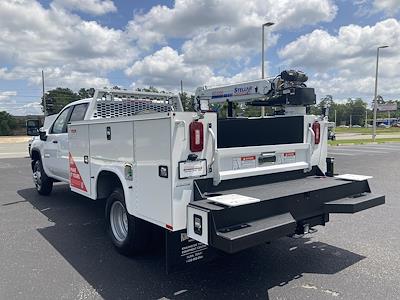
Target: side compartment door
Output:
{"points": [[79, 154], [152, 142]]}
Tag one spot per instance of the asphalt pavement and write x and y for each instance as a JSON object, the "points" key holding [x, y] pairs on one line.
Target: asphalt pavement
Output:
{"points": [[13, 150], [56, 248]]}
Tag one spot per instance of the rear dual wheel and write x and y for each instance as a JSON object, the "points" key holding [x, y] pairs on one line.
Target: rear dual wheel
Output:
{"points": [[130, 235]]}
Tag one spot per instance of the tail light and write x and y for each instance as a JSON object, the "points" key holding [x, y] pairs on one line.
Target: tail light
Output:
{"points": [[316, 127], [196, 136]]}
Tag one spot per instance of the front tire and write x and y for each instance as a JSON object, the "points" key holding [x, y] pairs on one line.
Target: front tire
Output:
{"points": [[129, 234], [43, 183]]}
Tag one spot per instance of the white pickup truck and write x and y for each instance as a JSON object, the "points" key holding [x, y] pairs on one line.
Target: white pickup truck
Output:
{"points": [[212, 184]]}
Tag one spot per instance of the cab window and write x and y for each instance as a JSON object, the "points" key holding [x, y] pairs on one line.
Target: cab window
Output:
{"points": [[60, 125], [78, 113]]}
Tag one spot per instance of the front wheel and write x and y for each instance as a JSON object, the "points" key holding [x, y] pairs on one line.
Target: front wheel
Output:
{"points": [[43, 183], [129, 234]]}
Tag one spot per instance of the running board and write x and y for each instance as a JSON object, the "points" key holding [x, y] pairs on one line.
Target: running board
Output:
{"points": [[239, 237], [351, 205]]}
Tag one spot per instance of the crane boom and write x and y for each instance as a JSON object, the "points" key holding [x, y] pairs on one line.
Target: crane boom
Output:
{"points": [[239, 92], [286, 89]]}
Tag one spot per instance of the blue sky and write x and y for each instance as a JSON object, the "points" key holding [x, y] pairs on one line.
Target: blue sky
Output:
{"points": [[97, 43]]}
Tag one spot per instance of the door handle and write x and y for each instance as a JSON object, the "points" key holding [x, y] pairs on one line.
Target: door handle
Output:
{"points": [[55, 142]]}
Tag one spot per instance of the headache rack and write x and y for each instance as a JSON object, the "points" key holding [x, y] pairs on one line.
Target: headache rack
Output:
{"points": [[119, 103]]}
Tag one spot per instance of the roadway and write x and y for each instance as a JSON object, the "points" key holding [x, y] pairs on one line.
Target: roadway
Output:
{"points": [[55, 247]]}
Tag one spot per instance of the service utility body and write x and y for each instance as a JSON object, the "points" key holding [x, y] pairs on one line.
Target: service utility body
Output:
{"points": [[214, 185]]}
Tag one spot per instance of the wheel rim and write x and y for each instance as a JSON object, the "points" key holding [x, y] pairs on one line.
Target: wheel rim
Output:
{"points": [[37, 176], [119, 221]]}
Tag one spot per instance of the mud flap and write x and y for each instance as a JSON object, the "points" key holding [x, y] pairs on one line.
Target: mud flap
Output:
{"points": [[183, 252]]}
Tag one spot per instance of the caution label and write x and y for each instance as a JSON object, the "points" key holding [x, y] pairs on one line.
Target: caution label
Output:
{"points": [[75, 178], [244, 162], [289, 157]]}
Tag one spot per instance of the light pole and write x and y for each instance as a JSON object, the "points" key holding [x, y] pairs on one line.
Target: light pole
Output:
{"points": [[268, 24], [376, 92]]}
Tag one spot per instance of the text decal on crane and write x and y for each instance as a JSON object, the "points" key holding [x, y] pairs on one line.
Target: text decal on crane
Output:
{"points": [[75, 177]]}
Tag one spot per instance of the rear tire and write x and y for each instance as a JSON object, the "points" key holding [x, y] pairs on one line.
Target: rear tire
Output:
{"points": [[130, 235], [43, 183]]}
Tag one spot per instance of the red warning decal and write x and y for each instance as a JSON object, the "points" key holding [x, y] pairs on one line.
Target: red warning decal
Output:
{"points": [[289, 154], [75, 177], [244, 158]]}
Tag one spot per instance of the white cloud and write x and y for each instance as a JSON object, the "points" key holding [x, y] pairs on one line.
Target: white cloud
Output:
{"points": [[245, 75], [370, 7], [55, 37], [343, 87], [55, 77], [32, 108], [7, 101], [225, 44], [32, 38], [349, 59], [390, 7], [94, 7], [218, 37], [4, 96], [166, 68], [226, 26]]}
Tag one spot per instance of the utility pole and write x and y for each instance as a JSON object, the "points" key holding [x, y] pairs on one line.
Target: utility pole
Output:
{"points": [[335, 117], [181, 88], [183, 101], [44, 96], [351, 120], [376, 92], [268, 24], [366, 118]]}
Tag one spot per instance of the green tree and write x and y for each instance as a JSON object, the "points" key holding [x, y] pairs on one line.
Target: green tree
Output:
{"points": [[150, 89], [56, 99], [356, 110], [255, 111], [187, 101], [7, 123], [86, 93], [353, 109]]}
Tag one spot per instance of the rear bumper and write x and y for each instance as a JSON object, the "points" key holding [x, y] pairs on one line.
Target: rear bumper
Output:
{"points": [[285, 208]]}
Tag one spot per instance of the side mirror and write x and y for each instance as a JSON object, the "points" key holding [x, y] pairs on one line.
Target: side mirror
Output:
{"points": [[32, 131], [32, 127], [42, 134]]}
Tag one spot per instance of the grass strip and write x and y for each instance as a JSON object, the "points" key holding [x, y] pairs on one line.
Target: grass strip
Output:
{"points": [[363, 141]]}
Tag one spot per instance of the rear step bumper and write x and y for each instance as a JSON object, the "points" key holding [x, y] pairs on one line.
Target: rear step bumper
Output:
{"points": [[352, 205], [253, 232], [285, 208]]}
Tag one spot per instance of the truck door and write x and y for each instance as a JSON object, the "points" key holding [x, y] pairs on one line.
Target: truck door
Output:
{"points": [[55, 163], [77, 113]]}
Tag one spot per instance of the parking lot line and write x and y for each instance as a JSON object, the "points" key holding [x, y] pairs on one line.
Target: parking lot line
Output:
{"points": [[395, 147], [340, 153], [8, 153], [13, 154], [383, 148], [363, 151]]}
